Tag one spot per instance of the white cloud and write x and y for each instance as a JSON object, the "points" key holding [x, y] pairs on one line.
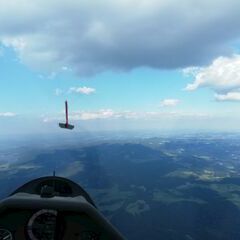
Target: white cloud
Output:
{"points": [[86, 115], [82, 90], [93, 36], [101, 114], [223, 75], [79, 90], [58, 91], [230, 96], [7, 114], [109, 114], [169, 102]]}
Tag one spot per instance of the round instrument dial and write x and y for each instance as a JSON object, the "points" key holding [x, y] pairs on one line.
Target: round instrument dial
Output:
{"points": [[42, 225]]}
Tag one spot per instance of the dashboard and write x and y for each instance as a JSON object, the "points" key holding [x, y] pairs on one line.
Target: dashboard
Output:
{"points": [[48, 224], [53, 208]]}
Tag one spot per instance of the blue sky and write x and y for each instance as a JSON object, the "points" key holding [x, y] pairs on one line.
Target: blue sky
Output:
{"points": [[157, 78]]}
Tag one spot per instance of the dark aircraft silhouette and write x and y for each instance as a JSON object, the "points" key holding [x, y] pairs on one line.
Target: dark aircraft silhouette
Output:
{"points": [[66, 125], [53, 208]]}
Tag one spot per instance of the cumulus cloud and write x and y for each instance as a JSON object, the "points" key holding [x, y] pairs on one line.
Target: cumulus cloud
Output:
{"points": [[94, 36], [231, 96], [169, 102], [7, 114], [222, 76], [82, 90]]}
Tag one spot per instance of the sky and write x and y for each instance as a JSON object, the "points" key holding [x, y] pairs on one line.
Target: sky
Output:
{"points": [[122, 65]]}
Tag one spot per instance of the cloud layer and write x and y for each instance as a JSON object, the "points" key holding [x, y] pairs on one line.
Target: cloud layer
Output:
{"points": [[110, 114], [94, 36]]}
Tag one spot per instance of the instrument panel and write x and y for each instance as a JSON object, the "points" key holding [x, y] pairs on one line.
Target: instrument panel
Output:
{"points": [[5, 234], [48, 224]]}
